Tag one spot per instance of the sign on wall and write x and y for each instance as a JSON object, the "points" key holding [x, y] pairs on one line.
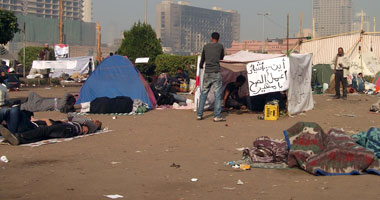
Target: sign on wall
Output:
{"points": [[267, 76]]}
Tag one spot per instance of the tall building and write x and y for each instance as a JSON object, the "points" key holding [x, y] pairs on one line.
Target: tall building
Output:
{"points": [[184, 29], [72, 9], [87, 11], [332, 16]]}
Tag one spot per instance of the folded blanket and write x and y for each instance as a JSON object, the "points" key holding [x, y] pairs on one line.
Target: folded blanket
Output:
{"points": [[334, 153]]}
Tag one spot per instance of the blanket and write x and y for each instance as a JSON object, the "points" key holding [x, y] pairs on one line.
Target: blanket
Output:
{"points": [[369, 140], [334, 153], [268, 150], [58, 140]]}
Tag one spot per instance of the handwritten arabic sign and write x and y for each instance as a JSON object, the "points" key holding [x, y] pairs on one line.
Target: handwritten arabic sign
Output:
{"points": [[268, 76]]}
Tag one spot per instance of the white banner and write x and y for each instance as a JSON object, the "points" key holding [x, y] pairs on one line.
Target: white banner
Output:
{"points": [[68, 66], [61, 51], [268, 76]]}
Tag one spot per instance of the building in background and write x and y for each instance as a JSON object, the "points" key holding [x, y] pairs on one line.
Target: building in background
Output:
{"points": [[271, 46], [41, 18], [184, 29], [87, 11], [72, 9], [357, 22], [332, 16]]}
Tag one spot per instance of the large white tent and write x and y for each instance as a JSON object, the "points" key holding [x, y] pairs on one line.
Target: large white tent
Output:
{"points": [[363, 50]]}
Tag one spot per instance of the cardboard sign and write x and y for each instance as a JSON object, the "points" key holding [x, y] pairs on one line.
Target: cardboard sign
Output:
{"points": [[267, 76]]}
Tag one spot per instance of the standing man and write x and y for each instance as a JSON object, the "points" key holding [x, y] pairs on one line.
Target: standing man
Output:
{"points": [[45, 52], [341, 71], [211, 55]]}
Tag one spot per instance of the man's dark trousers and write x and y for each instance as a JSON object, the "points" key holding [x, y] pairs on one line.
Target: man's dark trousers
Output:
{"points": [[340, 79], [62, 130]]}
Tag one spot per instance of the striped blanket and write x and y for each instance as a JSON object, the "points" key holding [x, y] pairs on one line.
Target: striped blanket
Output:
{"points": [[334, 153]]}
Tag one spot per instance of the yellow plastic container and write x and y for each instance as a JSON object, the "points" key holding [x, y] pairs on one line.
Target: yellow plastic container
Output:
{"points": [[183, 87], [271, 112]]}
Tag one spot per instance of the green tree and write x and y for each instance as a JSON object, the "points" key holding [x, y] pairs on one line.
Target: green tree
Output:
{"points": [[31, 53], [141, 41], [8, 26], [173, 62]]}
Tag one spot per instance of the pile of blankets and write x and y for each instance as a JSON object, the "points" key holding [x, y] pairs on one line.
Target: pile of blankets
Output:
{"points": [[308, 147]]}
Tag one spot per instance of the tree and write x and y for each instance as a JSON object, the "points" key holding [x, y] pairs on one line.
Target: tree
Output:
{"points": [[8, 26], [31, 54], [141, 41]]}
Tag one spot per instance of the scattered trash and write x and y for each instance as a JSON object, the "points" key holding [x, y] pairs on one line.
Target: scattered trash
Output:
{"points": [[345, 115], [302, 114], [114, 196], [241, 149], [138, 151], [115, 163], [105, 129], [239, 182], [175, 165], [324, 188], [230, 163], [47, 88], [114, 117], [229, 188], [4, 159], [194, 180], [236, 166], [226, 125], [222, 136], [245, 167], [260, 117]]}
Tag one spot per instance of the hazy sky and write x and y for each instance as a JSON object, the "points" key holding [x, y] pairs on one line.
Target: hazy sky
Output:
{"points": [[118, 15]]}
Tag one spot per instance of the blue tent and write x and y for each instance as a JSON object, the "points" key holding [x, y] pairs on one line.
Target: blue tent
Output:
{"points": [[116, 76]]}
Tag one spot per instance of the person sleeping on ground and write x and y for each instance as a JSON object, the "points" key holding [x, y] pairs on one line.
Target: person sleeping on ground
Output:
{"points": [[104, 105], [18, 128], [36, 103]]}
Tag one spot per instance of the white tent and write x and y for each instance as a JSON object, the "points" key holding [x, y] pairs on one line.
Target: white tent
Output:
{"points": [[67, 65], [300, 97], [362, 49]]}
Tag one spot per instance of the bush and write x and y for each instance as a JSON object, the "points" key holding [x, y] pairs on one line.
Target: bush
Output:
{"points": [[172, 62], [31, 54]]}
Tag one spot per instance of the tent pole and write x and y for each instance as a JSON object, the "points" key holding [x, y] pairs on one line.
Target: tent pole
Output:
{"points": [[287, 34], [301, 25], [374, 24]]}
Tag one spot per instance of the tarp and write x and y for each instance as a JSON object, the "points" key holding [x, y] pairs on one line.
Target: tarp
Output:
{"points": [[300, 96], [116, 76], [376, 81], [300, 65], [68, 66], [238, 62], [321, 74]]}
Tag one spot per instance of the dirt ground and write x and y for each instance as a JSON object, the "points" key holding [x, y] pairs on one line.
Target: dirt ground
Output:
{"points": [[134, 160]]}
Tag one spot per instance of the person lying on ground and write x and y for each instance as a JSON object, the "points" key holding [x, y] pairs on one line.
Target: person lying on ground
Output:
{"points": [[36, 103], [104, 105], [4, 97], [231, 98], [20, 130]]}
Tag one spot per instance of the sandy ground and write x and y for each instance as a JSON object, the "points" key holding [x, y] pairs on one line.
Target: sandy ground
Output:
{"points": [[144, 147]]}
